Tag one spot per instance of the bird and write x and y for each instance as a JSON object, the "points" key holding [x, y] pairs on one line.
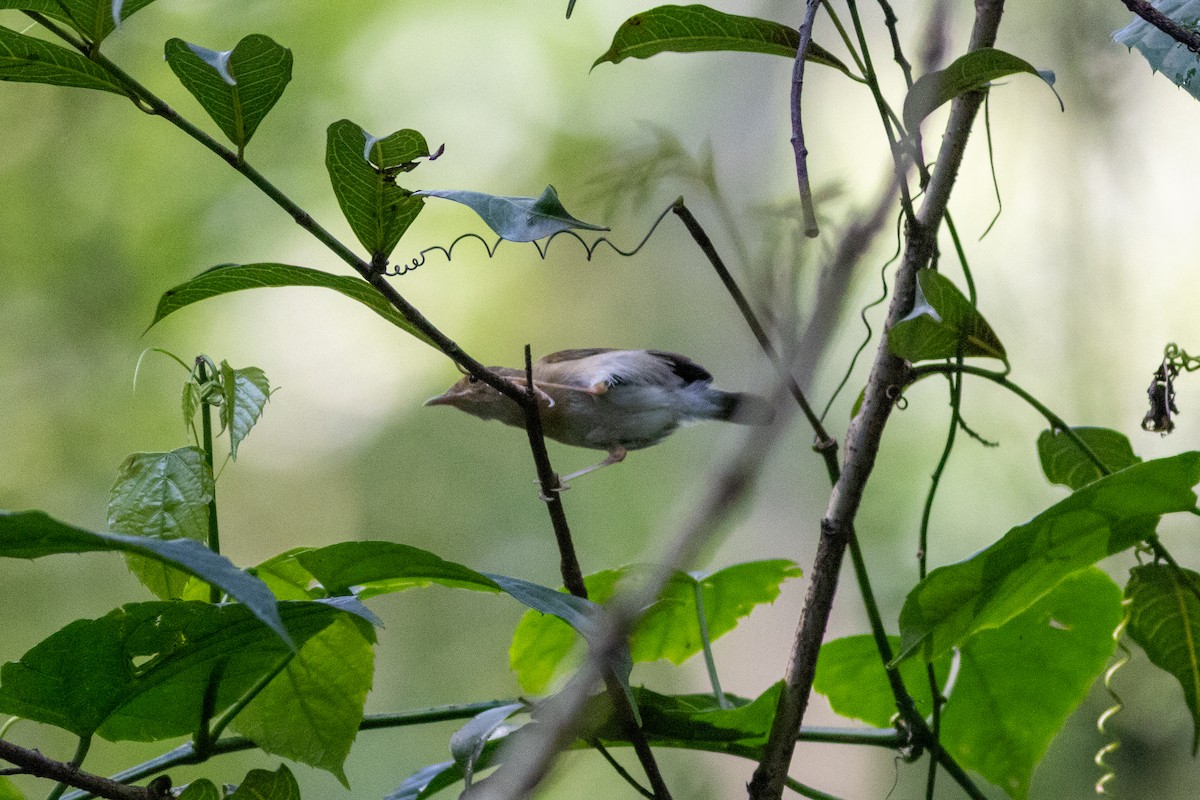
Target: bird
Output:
{"points": [[609, 399]]}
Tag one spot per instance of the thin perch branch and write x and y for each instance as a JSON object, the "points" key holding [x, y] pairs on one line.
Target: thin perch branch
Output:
{"points": [[806, 200]]}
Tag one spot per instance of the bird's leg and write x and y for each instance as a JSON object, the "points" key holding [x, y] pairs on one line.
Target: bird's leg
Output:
{"points": [[615, 456]]}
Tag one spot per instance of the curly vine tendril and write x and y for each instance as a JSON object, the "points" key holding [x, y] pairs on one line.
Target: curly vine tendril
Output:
{"points": [[1110, 712], [542, 248]]}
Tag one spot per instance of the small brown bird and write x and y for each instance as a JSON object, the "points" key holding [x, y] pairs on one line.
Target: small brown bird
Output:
{"points": [[614, 400]]}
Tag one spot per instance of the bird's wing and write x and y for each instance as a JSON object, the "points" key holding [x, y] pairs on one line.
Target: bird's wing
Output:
{"points": [[597, 369]]}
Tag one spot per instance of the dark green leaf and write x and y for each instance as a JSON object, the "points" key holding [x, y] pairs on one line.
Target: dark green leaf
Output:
{"points": [[162, 496], [1164, 619], [1017, 684], [311, 711], [362, 169], [260, 784], [29, 60], [94, 18], [139, 672], [1064, 463], [246, 393], [1113, 514], [33, 534], [698, 720], [202, 789], [383, 567], [517, 219], [237, 277], [942, 320], [47, 8], [968, 73], [851, 676], [467, 743], [693, 29], [235, 87]]}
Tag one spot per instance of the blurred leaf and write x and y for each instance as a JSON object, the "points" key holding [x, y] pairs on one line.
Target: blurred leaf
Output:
{"points": [[427, 781], [162, 496], [1063, 462], [8, 791], [852, 677], [384, 567], [246, 393], [139, 672], [1018, 684], [47, 8], [362, 170], [1179, 64], [1164, 619], [29, 60], [237, 277], [311, 711], [968, 73], [235, 87], [697, 28], [467, 743], [261, 784], [1112, 514], [517, 219], [202, 789], [33, 534], [941, 321], [94, 18]]}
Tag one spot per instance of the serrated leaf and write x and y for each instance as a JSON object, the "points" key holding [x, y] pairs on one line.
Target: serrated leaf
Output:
{"points": [[375, 568], [467, 743], [1064, 463], [247, 391], [33, 534], [362, 169], [237, 87], [29, 60], [94, 18], [942, 321], [1164, 619], [517, 219], [311, 711], [238, 277], [261, 784], [697, 28], [669, 629], [1018, 684], [140, 672], [852, 677], [1113, 514], [1173, 59], [202, 789], [967, 73]]}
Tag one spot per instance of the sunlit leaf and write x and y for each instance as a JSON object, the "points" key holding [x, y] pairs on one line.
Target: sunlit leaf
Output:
{"points": [[942, 321], [202, 789], [517, 219], [967, 73], [1064, 463], [29, 60], [851, 676], [94, 18], [246, 393], [8, 791], [260, 784], [1112, 514], [238, 277], [1164, 619], [1173, 59]]}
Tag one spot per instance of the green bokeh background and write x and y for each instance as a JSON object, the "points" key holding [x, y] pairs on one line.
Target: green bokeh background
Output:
{"points": [[1088, 273]]}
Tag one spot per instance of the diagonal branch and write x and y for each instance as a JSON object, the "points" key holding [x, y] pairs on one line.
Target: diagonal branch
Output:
{"points": [[34, 763], [1188, 37]]}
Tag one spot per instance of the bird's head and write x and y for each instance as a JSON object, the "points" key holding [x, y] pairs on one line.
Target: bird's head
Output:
{"points": [[477, 398]]}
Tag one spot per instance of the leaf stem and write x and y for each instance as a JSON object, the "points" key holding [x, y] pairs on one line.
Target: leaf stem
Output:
{"points": [[706, 644], [206, 444]]}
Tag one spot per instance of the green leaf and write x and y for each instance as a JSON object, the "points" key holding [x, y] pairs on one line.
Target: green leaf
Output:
{"points": [[29, 60], [140, 672], [697, 720], [235, 87], [852, 677], [1113, 514], [162, 496], [261, 784], [694, 29], [1164, 619], [1173, 59], [33, 534], [1064, 463], [202, 789], [362, 169], [383, 567], [8, 791], [542, 646], [311, 711], [467, 743], [968, 73], [941, 321], [94, 18], [238, 277], [517, 219], [1017, 684], [47, 8], [247, 391]]}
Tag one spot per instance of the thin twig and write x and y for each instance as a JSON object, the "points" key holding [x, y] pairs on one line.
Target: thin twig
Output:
{"points": [[806, 200], [1185, 36], [34, 763]]}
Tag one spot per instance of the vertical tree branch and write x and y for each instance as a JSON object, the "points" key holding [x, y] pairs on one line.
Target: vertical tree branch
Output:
{"points": [[806, 201], [866, 431]]}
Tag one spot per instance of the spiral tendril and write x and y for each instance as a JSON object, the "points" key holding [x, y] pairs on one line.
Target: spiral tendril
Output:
{"points": [[1110, 747]]}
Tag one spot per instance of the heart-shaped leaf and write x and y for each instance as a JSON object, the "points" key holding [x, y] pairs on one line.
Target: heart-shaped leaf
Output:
{"points": [[517, 219], [261, 784], [1064, 463], [362, 169], [943, 321], [29, 60], [235, 87], [246, 393]]}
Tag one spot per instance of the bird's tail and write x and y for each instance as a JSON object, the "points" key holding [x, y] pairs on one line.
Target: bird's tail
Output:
{"points": [[744, 409]]}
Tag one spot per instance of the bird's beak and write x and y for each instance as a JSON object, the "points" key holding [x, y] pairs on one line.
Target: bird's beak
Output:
{"points": [[446, 399]]}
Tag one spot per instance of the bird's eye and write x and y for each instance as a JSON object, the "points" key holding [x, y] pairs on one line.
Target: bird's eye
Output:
{"points": [[472, 379]]}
